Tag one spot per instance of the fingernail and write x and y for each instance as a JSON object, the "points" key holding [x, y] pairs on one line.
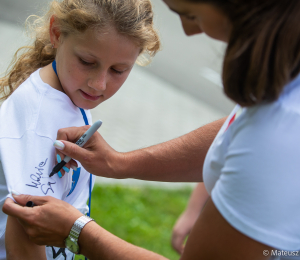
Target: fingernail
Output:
{"points": [[66, 169], [59, 145], [15, 193], [59, 174], [58, 158], [74, 167]]}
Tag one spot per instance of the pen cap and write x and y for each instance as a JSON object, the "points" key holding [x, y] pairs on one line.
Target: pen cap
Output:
{"points": [[87, 135]]}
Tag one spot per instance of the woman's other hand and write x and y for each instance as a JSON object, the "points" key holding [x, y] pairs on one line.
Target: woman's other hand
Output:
{"points": [[47, 223]]}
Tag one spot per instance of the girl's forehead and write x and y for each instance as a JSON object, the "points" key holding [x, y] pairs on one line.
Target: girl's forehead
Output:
{"points": [[109, 34], [104, 43]]}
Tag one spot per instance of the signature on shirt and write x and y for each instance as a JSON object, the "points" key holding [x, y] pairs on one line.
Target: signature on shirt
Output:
{"points": [[60, 251], [41, 182]]}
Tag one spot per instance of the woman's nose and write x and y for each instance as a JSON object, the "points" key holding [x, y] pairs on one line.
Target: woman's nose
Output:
{"points": [[190, 27]]}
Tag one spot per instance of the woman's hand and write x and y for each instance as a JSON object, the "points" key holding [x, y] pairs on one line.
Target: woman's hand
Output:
{"points": [[97, 157], [48, 223], [162, 162]]}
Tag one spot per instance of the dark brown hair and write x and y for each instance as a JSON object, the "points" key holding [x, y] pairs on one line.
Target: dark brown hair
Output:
{"points": [[263, 52]]}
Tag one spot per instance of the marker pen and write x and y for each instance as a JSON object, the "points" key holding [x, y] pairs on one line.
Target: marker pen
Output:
{"points": [[30, 204], [81, 142]]}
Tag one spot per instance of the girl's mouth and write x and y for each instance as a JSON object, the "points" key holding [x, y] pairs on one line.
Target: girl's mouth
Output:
{"points": [[89, 97]]}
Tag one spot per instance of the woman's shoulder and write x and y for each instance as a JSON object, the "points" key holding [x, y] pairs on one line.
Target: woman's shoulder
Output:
{"points": [[285, 110], [272, 119], [266, 135]]}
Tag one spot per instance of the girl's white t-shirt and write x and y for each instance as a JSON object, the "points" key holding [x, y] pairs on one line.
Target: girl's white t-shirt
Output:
{"points": [[252, 171], [29, 121]]}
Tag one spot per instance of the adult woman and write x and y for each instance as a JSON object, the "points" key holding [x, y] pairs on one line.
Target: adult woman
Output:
{"points": [[254, 189]]}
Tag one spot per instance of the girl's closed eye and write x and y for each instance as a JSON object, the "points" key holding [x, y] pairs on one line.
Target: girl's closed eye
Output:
{"points": [[117, 71], [86, 63]]}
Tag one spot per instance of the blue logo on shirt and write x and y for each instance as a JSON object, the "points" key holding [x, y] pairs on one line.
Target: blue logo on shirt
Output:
{"points": [[75, 178]]}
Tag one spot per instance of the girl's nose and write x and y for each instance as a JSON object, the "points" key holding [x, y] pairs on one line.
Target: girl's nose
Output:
{"points": [[98, 82]]}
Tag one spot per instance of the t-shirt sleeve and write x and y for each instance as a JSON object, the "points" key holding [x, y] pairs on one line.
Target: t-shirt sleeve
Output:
{"points": [[26, 164], [258, 191]]}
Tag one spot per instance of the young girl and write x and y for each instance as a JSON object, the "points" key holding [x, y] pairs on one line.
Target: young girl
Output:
{"points": [[82, 54]]}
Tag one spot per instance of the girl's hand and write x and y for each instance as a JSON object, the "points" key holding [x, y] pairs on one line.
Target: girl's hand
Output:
{"points": [[97, 157], [189, 217], [182, 229]]}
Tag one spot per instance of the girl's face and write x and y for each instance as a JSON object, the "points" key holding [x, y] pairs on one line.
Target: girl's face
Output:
{"points": [[201, 17], [93, 65]]}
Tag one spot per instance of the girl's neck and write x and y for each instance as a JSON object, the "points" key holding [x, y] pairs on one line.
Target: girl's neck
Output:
{"points": [[48, 76]]}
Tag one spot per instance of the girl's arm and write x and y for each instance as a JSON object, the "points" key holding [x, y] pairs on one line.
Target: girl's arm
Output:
{"points": [[17, 244], [188, 218]]}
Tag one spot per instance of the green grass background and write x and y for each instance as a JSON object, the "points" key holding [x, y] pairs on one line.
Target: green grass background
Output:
{"points": [[142, 216]]}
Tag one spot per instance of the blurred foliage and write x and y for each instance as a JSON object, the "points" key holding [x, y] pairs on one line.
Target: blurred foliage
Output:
{"points": [[143, 216]]}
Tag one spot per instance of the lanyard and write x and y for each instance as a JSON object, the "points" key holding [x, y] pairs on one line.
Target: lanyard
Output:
{"points": [[87, 123]]}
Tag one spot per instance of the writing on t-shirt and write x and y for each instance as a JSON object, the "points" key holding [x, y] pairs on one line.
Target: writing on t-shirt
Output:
{"points": [[59, 252], [39, 181]]}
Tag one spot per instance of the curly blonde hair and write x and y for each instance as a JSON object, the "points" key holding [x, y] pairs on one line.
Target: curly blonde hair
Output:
{"points": [[132, 18]]}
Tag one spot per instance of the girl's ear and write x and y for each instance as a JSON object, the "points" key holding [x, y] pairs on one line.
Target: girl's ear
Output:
{"points": [[54, 32]]}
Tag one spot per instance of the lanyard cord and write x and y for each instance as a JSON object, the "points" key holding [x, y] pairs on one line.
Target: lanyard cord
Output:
{"points": [[86, 123], [91, 176]]}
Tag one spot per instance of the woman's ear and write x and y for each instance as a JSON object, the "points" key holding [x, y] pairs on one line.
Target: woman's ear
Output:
{"points": [[54, 32]]}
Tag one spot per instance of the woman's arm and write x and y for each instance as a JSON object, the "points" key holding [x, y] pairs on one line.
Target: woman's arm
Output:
{"points": [[188, 218], [112, 247], [211, 238], [17, 243], [177, 160]]}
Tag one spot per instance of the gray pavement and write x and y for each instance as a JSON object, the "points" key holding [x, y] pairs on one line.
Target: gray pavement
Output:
{"points": [[176, 94], [191, 63], [146, 111]]}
